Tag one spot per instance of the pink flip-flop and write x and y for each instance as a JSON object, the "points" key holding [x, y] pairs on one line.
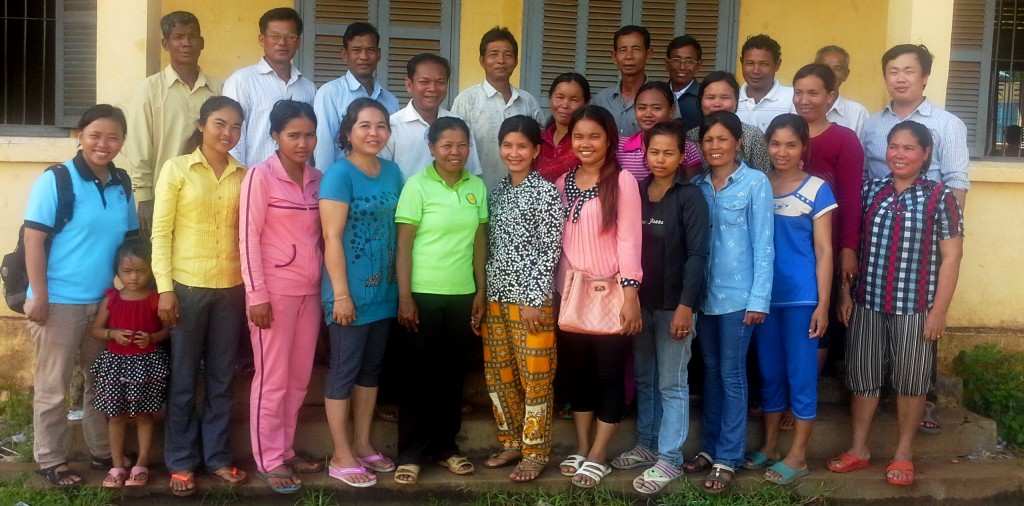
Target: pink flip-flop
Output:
{"points": [[342, 474], [377, 463]]}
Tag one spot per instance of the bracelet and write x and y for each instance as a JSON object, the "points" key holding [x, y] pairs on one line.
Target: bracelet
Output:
{"points": [[107, 335], [343, 297]]}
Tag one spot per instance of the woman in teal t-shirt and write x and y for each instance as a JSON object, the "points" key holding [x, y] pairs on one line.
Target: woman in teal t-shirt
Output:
{"points": [[358, 196], [442, 248]]}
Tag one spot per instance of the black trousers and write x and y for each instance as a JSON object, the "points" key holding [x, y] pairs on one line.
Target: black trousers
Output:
{"points": [[434, 363], [595, 368]]}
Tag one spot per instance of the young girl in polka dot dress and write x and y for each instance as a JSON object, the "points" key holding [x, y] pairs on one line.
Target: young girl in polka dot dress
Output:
{"points": [[131, 374]]}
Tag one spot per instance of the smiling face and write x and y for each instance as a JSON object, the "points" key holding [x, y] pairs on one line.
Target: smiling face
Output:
{"points": [[428, 86], [222, 130], [682, 66], [785, 150], [630, 55], [450, 151], [664, 156], [759, 68], [499, 61], [101, 141], [361, 54], [565, 100], [651, 109], [811, 99], [370, 132], [518, 153], [905, 79], [718, 96], [905, 155], [719, 146], [184, 44], [296, 140], [280, 42], [589, 142]]}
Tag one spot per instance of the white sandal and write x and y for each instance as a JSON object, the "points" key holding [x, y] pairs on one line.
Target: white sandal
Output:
{"points": [[590, 469], [574, 461]]}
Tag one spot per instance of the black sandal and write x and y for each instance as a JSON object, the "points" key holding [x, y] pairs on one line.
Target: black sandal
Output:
{"points": [[698, 464], [720, 475], [56, 477]]}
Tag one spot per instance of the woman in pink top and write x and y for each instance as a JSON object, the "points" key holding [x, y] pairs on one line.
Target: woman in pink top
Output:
{"points": [[654, 104], [602, 239], [279, 228]]}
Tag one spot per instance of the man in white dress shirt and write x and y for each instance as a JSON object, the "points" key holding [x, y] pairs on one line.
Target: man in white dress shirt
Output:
{"points": [[258, 87], [762, 97], [426, 81], [485, 106], [844, 111]]}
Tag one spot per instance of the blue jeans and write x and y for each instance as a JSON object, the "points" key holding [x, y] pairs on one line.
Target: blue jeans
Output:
{"points": [[662, 390], [724, 342]]}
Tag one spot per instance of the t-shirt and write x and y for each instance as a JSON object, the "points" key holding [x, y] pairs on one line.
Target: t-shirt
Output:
{"points": [[795, 282], [446, 220], [652, 257], [369, 239], [80, 264]]}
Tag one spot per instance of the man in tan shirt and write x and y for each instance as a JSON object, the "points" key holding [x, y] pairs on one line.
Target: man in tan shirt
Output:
{"points": [[163, 111]]}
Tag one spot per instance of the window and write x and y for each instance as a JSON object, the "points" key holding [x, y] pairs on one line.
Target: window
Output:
{"points": [[576, 35], [49, 63], [407, 28]]}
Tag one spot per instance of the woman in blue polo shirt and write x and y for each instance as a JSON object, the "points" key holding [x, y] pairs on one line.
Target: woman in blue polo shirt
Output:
{"points": [[69, 268]]}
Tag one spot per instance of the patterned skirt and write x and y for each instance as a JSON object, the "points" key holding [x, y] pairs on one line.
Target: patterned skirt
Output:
{"points": [[130, 384]]}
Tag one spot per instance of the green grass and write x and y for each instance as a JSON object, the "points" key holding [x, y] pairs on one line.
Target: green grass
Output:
{"points": [[316, 496], [11, 492]]}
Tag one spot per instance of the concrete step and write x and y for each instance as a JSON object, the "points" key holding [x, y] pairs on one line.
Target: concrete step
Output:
{"points": [[963, 433], [938, 481]]}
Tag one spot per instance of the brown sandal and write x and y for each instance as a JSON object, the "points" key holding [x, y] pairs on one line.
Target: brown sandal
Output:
{"points": [[231, 475], [303, 465], [503, 458], [527, 470], [187, 482], [698, 464], [718, 480]]}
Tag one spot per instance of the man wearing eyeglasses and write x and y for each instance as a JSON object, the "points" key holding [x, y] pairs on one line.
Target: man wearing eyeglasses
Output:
{"points": [[682, 63], [258, 87], [361, 53]]}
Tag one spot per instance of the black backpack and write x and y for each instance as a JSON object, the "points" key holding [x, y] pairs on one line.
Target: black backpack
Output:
{"points": [[12, 269]]}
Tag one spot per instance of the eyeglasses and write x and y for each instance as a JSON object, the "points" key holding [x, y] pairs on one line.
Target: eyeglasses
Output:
{"points": [[282, 37], [687, 62]]}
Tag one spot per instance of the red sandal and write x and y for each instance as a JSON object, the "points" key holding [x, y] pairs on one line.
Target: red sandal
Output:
{"points": [[848, 463], [902, 468]]}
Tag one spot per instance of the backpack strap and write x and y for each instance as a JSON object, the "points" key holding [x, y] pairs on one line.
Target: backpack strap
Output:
{"points": [[126, 182], [65, 196]]}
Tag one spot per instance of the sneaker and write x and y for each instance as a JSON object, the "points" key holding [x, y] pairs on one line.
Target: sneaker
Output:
{"points": [[75, 415]]}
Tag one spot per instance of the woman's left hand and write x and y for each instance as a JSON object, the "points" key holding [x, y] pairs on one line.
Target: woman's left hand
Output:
{"points": [[632, 321], [754, 318], [819, 322], [530, 316], [934, 325], [477, 317]]}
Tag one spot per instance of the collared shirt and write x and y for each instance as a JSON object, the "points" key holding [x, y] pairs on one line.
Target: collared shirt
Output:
{"points": [[555, 159], [753, 148], [408, 146], [257, 87], [688, 102], [950, 154], [446, 220], [632, 157], [195, 224], [484, 109], [742, 252], [525, 241], [900, 256], [279, 232], [161, 117], [331, 103], [848, 113], [779, 100], [80, 262], [625, 116]]}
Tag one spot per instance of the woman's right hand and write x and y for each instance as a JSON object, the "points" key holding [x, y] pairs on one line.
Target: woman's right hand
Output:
{"points": [[37, 311], [167, 309], [344, 311], [261, 315], [408, 314]]}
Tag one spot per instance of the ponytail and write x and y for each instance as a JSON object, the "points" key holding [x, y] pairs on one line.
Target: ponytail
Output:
{"points": [[212, 105]]}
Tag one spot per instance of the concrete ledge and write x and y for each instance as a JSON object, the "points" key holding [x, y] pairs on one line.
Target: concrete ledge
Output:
{"points": [[36, 149], [997, 171]]}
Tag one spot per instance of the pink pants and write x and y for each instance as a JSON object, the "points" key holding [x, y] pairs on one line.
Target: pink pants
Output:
{"points": [[283, 357]]}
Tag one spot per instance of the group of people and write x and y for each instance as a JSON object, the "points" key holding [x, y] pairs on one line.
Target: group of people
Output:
{"points": [[637, 222]]}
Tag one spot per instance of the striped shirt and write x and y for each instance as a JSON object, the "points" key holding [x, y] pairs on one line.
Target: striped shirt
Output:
{"points": [[950, 155], [899, 262], [632, 156]]}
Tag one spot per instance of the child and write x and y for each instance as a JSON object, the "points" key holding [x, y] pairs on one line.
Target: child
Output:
{"points": [[131, 374]]}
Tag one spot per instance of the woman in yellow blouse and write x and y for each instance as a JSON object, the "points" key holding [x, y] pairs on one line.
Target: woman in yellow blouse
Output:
{"points": [[197, 271]]}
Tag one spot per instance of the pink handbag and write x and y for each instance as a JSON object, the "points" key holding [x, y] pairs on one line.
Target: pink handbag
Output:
{"points": [[591, 305]]}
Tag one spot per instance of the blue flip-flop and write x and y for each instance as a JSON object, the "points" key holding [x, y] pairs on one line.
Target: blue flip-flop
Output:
{"points": [[787, 474], [755, 461]]}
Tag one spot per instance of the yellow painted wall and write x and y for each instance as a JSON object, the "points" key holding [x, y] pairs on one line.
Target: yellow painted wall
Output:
{"points": [[802, 26], [928, 22], [478, 16], [230, 28]]}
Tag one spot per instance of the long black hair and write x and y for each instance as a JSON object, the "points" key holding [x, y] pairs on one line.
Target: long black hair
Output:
{"points": [[212, 105], [921, 133]]}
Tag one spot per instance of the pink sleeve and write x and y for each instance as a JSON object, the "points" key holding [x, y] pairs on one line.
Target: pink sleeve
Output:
{"points": [[251, 217], [692, 156], [628, 228]]}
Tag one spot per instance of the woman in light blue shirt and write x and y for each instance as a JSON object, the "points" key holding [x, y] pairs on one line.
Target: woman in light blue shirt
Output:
{"points": [[739, 286]]}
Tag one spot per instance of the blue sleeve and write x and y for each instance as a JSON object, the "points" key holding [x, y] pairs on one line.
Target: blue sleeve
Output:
{"points": [[337, 183], [824, 201], [131, 216], [328, 124], [762, 232], [41, 212]]}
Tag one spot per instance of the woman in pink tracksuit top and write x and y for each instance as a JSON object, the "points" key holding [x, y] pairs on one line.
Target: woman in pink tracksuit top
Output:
{"points": [[279, 229]]}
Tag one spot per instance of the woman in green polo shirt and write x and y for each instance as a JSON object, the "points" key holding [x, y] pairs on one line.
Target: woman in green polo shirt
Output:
{"points": [[442, 248]]}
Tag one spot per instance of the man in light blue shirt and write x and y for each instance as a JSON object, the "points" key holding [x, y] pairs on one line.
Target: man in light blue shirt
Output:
{"points": [[361, 52], [906, 68], [631, 47]]}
